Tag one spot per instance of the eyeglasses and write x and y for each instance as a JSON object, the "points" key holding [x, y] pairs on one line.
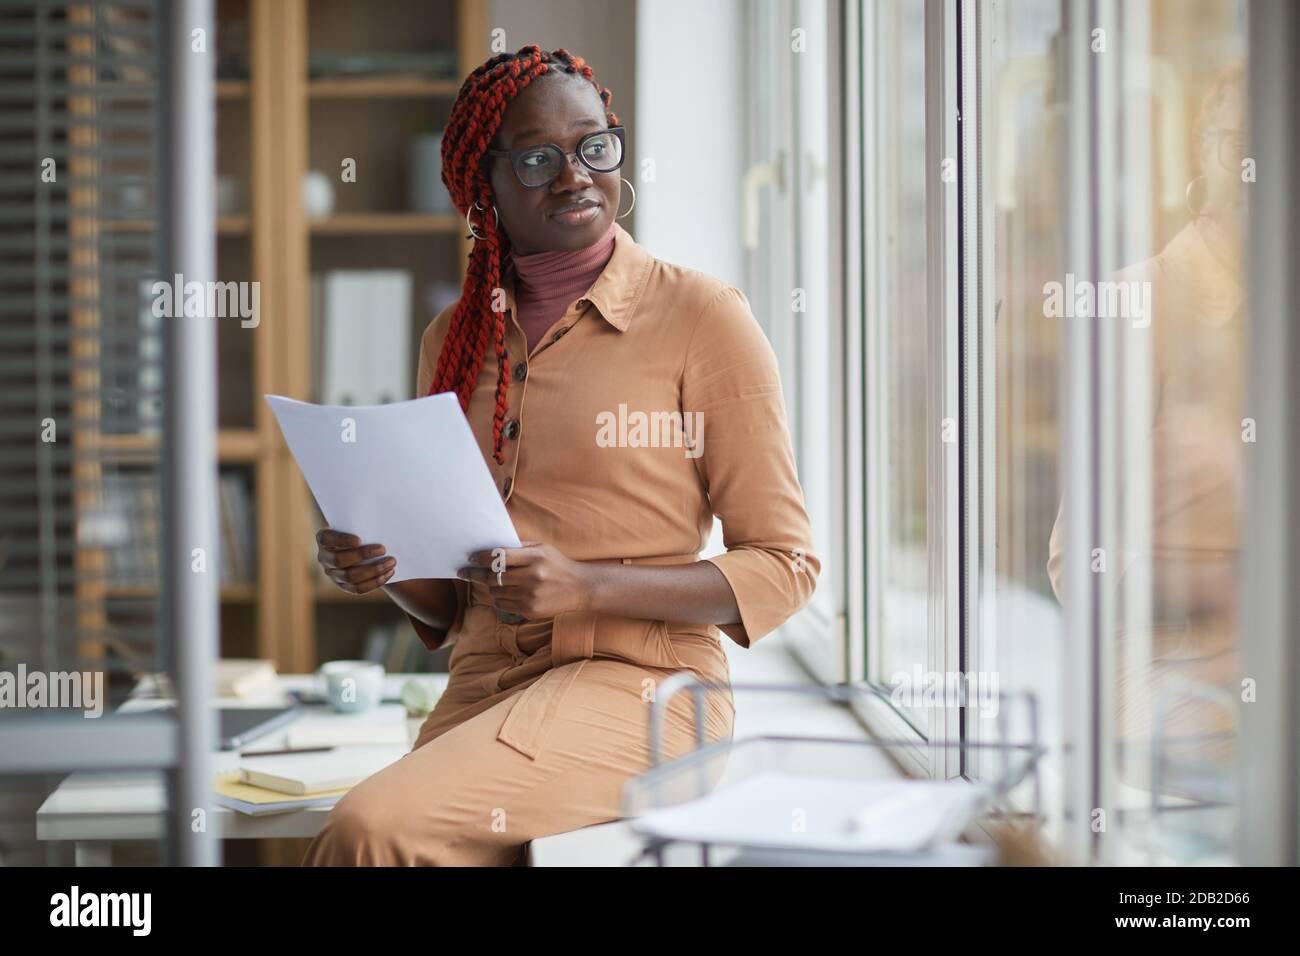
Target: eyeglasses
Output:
{"points": [[534, 166], [1231, 147]]}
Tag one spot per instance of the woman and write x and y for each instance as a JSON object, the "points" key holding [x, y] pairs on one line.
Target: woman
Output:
{"points": [[606, 364], [1194, 344]]}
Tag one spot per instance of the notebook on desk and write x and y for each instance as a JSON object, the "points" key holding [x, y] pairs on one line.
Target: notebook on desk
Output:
{"points": [[253, 801], [316, 773]]}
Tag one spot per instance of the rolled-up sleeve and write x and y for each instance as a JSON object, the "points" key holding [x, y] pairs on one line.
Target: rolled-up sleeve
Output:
{"points": [[731, 380]]}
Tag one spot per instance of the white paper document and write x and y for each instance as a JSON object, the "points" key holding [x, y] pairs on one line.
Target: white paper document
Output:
{"points": [[408, 475]]}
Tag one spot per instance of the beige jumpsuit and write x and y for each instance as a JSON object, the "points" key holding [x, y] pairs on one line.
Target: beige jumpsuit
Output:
{"points": [[543, 722]]}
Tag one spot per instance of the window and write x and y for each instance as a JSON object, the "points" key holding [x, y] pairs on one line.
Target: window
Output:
{"points": [[1143, 293], [790, 230], [1174, 428], [1073, 236], [815, 308], [1024, 646], [1118, 424], [1030, 475], [897, 360]]}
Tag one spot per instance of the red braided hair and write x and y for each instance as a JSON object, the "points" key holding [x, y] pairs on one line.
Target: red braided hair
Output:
{"points": [[475, 118]]}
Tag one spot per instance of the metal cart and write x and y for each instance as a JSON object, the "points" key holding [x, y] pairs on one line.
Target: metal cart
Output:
{"points": [[816, 801]]}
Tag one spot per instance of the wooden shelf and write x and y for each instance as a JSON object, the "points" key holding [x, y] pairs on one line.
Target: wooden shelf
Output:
{"points": [[234, 445], [233, 89], [239, 593], [238, 445], [384, 223], [226, 225], [378, 87], [230, 593], [233, 225]]}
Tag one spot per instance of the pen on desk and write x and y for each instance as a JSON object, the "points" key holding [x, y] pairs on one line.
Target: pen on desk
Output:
{"points": [[292, 750]]}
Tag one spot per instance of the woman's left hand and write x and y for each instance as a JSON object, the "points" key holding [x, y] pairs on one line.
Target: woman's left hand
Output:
{"points": [[536, 579]]}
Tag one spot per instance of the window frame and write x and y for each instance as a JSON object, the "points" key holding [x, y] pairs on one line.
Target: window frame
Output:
{"points": [[978, 373], [1269, 781], [931, 754], [863, 420]]}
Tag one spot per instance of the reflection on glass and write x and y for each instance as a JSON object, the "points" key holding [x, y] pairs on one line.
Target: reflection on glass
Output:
{"points": [[1182, 429]]}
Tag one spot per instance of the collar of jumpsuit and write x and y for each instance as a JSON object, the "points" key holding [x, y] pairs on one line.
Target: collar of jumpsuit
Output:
{"points": [[546, 282], [614, 292]]}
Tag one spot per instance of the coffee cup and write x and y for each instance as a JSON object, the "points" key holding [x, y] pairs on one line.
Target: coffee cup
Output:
{"points": [[352, 687]]}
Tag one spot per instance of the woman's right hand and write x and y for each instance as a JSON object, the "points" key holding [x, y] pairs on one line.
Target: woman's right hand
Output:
{"points": [[342, 555]]}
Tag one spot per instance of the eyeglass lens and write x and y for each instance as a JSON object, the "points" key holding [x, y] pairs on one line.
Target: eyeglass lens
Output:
{"points": [[602, 152], [1232, 149]]}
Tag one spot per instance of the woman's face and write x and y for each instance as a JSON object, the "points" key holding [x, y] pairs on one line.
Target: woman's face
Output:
{"points": [[1222, 153], [559, 109]]}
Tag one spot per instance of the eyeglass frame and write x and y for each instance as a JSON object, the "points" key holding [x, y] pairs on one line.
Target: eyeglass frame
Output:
{"points": [[1220, 138], [512, 153]]}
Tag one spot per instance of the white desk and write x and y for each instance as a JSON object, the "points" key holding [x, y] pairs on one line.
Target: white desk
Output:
{"points": [[94, 809]]}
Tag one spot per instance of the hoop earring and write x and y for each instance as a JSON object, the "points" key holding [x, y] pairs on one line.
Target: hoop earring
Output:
{"points": [[631, 207], [1187, 198], [496, 220]]}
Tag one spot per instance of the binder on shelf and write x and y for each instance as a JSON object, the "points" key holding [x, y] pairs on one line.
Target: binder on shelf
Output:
{"points": [[366, 336]]}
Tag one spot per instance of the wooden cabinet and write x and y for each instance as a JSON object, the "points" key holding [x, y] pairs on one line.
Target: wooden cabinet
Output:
{"points": [[298, 90]]}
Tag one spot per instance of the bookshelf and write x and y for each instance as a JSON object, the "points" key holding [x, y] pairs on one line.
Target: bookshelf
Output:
{"points": [[281, 113], [301, 86]]}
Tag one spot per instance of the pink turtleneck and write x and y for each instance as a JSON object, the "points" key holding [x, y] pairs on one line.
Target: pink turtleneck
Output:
{"points": [[547, 283]]}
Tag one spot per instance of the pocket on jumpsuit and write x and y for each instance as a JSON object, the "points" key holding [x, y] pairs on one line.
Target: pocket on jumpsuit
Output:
{"points": [[534, 709], [577, 637]]}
